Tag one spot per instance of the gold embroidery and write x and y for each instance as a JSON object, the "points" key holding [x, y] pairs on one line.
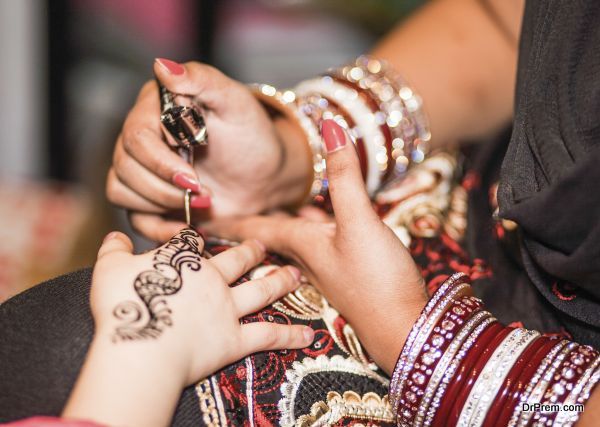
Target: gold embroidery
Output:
{"points": [[369, 407], [208, 407], [308, 366]]}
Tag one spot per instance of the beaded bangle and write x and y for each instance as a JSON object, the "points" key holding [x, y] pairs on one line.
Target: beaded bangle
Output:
{"points": [[416, 399], [448, 364], [580, 393], [403, 364]]}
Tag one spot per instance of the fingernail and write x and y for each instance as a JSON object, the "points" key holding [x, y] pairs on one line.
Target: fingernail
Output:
{"points": [[186, 182], [309, 334], [200, 202], [333, 134], [295, 272], [261, 245], [171, 67], [110, 236]]}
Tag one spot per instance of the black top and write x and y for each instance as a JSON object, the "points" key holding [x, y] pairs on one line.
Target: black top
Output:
{"points": [[550, 175]]}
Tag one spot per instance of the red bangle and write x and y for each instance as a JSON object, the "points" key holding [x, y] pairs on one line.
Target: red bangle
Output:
{"points": [[469, 380], [374, 107], [512, 377], [464, 368], [524, 378]]}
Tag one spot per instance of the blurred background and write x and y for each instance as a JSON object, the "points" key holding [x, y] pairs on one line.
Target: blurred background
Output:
{"points": [[71, 70]]}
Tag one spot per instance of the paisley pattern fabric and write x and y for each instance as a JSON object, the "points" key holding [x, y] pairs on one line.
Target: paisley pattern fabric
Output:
{"points": [[333, 382]]}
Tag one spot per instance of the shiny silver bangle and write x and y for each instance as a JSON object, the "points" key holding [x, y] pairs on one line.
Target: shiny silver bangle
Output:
{"points": [[477, 325], [493, 375], [539, 373], [443, 366], [415, 349], [540, 389], [365, 124], [401, 369]]}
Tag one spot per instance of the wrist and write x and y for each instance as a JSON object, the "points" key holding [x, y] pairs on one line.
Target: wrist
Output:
{"points": [[295, 175], [127, 383]]}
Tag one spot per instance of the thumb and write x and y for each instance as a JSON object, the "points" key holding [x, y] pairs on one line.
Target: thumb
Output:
{"points": [[115, 242], [195, 79], [351, 203]]}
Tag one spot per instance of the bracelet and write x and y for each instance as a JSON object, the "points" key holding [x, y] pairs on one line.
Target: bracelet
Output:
{"points": [[460, 367], [284, 103]]}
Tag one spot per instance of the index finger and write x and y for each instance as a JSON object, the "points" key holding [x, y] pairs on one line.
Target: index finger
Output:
{"points": [[143, 140]]}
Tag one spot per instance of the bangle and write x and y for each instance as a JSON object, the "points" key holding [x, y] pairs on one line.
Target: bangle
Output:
{"points": [[402, 367], [362, 116], [449, 362], [529, 365], [419, 394], [527, 397], [469, 381], [284, 103], [492, 376], [460, 367], [505, 388]]}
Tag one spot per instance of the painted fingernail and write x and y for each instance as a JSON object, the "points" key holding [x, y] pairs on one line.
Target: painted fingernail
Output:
{"points": [[295, 272], [186, 182], [110, 236], [261, 245], [200, 202], [309, 334], [171, 67], [333, 134]]}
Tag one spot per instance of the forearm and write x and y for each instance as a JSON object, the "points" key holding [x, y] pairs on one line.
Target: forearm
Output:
{"points": [[125, 384], [461, 62]]}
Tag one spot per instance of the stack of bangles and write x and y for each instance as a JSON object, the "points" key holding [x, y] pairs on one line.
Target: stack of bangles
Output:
{"points": [[461, 367], [381, 113]]}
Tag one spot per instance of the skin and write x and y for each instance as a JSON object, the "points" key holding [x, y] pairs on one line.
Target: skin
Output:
{"points": [[462, 63], [189, 349]]}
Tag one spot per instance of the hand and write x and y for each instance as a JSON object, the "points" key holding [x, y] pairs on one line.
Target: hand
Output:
{"points": [[248, 167], [168, 318], [357, 262]]}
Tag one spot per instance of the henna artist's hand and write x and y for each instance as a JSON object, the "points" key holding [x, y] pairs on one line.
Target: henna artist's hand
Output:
{"points": [[167, 319], [247, 167], [357, 262]]}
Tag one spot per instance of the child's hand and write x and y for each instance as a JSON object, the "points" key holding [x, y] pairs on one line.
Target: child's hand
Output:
{"points": [[168, 318]]}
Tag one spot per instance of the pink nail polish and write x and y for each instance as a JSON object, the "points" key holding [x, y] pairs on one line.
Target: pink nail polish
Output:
{"points": [[333, 134], [309, 334], [171, 67], [200, 202], [186, 182]]}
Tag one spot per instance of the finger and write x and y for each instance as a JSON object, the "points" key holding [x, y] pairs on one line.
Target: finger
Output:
{"points": [[261, 336], [251, 296], [115, 242], [144, 182], [206, 83], [154, 227], [313, 213], [236, 261], [281, 235], [149, 149], [121, 195], [349, 197]]}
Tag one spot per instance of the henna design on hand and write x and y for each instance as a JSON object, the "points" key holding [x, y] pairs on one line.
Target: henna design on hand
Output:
{"points": [[149, 320]]}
